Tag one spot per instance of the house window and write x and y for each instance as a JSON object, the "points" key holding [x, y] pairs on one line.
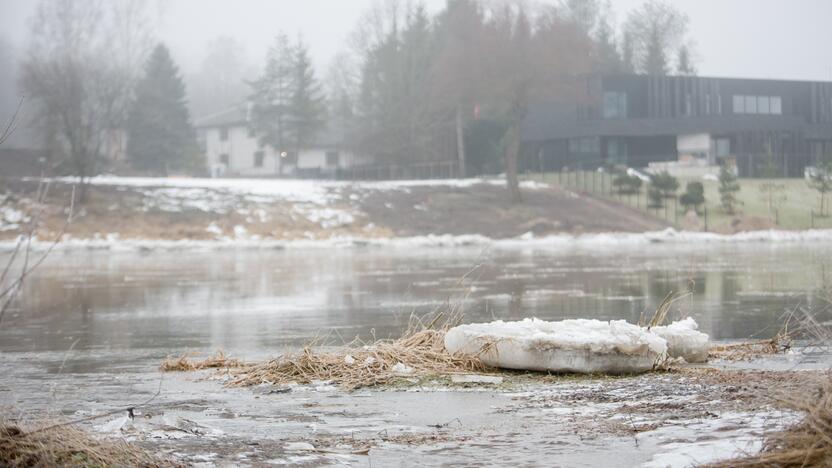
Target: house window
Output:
{"points": [[258, 159], [224, 159], [776, 105], [751, 104], [761, 105], [617, 151], [223, 133], [585, 146], [331, 158], [615, 105], [739, 104]]}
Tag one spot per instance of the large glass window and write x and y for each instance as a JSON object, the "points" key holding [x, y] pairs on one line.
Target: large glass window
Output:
{"points": [[585, 146], [763, 104], [776, 105], [739, 104], [615, 105], [751, 104]]}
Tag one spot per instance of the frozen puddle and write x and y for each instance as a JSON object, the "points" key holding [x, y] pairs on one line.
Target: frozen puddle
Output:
{"points": [[727, 436]]}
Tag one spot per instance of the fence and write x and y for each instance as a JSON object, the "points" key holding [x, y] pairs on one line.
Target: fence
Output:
{"points": [[710, 215]]}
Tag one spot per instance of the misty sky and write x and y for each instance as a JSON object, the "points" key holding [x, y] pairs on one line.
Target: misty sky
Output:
{"points": [[734, 38]]}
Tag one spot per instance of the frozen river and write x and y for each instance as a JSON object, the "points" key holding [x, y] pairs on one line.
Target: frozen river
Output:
{"points": [[256, 302], [92, 327]]}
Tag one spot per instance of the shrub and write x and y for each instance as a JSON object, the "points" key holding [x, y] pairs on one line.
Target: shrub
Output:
{"points": [[693, 196]]}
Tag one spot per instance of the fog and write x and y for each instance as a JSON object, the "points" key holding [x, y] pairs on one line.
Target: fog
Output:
{"points": [[734, 38]]}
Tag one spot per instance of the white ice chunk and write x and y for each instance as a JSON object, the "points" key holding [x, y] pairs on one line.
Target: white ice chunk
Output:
{"points": [[684, 340], [583, 346], [300, 447], [400, 368]]}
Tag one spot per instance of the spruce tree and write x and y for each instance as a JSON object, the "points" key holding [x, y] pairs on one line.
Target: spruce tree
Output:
{"points": [[160, 134], [728, 187], [272, 97], [307, 107]]}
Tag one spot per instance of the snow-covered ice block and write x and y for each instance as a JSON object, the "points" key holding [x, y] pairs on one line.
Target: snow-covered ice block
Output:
{"points": [[582, 346], [684, 340]]}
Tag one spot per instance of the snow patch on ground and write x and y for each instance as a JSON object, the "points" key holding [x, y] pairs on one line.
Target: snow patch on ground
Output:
{"points": [[10, 218]]}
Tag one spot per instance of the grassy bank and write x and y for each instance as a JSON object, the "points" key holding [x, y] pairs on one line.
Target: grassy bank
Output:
{"points": [[796, 206]]}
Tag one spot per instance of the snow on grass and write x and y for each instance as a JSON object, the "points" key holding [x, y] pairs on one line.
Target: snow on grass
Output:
{"points": [[10, 218]]}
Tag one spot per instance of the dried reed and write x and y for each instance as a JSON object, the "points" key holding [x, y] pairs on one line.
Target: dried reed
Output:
{"points": [[69, 446], [187, 364], [419, 352]]}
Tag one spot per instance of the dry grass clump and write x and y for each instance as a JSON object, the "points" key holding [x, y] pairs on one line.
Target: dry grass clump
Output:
{"points": [[809, 443], [419, 352], [187, 364], [68, 446], [749, 350]]}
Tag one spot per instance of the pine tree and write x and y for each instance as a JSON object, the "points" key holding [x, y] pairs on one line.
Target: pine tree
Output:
{"points": [[160, 135], [272, 97], [307, 106], [728, 187], [684, 62], [608, 60]]}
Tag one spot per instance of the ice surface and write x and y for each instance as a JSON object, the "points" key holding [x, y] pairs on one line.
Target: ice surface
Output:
{"points": [[684, 340], [583, 346]]}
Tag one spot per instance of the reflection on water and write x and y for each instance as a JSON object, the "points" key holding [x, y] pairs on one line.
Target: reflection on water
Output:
{"points": [[262, 302]]}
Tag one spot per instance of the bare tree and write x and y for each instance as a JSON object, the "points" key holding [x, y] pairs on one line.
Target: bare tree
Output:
{"points": [[79, 71], [534, 59], [657, 30]]}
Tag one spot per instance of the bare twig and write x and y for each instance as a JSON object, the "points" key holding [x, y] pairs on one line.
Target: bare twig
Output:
{"points": [[12, 125]]}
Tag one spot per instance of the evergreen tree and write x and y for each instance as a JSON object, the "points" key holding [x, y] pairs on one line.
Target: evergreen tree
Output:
{"points": [[684, 62], [160, 135], [728, 187], [307, 106], [608, 60], [821, 180], [272, 97], [628, 54]]}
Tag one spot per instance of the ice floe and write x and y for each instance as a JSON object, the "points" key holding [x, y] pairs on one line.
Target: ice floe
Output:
{"points": [[581, 346]]}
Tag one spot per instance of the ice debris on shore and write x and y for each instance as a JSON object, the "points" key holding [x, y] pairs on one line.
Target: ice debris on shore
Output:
{"points": [[684, 340], [581, 346]]}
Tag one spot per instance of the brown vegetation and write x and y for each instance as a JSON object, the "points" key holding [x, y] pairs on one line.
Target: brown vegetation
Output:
{"points": [[186, 363], [419, 352], [68, 446]]}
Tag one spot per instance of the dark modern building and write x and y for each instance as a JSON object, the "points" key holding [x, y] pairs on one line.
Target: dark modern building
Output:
{"points": [[636, 120]]}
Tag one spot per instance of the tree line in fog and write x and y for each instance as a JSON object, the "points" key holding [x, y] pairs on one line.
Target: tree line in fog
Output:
{"points": [[410, 86]]}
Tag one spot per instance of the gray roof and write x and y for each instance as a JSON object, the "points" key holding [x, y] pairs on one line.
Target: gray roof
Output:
{"points": [[233, 116]]}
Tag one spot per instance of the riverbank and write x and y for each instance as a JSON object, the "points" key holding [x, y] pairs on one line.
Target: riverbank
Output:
{"points": [[295, 210], [689, 416]]}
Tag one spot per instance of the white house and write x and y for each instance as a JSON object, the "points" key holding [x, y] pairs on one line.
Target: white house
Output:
{"points": [[232, 149]]}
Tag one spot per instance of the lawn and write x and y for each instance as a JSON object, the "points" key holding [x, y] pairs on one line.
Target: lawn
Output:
{"points": [[795, 206]]}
